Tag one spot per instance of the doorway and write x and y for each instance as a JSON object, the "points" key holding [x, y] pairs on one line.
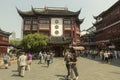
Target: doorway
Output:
{"points": [[58, 50]]}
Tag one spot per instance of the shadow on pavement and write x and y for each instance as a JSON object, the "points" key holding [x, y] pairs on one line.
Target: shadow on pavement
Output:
{"points": [[15, 75], [115, 72], [61, 77], [2, 68], [45, 66], [14, 70]]}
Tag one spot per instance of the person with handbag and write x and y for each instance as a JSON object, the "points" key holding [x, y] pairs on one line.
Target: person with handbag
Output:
{"points": [[67, 60], [73, 62]]}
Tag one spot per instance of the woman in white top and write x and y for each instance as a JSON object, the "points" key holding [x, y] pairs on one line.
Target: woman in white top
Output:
{"points": [[106, 56]]}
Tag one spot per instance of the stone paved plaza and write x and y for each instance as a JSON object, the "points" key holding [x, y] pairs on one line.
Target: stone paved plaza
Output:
{"points": [[88, 70]]}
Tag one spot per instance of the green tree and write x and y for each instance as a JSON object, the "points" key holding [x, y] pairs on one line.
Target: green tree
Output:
{"points": [[15, 46], [34, 42], [15, 42]]}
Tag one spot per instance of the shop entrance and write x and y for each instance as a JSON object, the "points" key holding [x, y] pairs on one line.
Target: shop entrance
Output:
{"points": [[58, 50]]}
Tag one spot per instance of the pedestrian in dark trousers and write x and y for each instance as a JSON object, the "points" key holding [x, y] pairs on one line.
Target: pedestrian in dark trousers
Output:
{"points": [[48, 59], [45, 57], [73, 62], [6, 60], [18, 63], [67, 60]]}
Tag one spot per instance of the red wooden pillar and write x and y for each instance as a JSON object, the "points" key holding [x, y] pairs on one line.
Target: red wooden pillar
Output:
{"points": [[72, 26], [75, 31], [49, 26], [63, 28], [38, 25], [23, 26]]}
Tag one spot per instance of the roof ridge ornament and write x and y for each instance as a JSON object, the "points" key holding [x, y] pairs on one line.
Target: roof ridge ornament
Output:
{"points": [[19, 11], [95, 17], [66, 8], [32, 9], [45, 7], [56, 8], [82, 20], [79, 11]]}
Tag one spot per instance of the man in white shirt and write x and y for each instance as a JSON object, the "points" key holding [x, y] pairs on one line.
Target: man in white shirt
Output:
{"points": [[22, 62], [106, 56], [40, 58]]}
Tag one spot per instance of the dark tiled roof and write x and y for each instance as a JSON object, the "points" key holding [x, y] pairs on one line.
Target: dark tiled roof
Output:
{"points": [[4, 33], [25, 13], [49, 11], [108, 10]]}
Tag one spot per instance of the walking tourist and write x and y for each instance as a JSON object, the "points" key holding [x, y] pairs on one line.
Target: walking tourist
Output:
{"points": [[67, 60], [18, 63], [48, 58], [6, 60], [45, 57], [115, 54], [101, 54], [73, 62], [51, 57], [106, 56], [23, 63], [110, 55], [29, 61], [40, 57]]}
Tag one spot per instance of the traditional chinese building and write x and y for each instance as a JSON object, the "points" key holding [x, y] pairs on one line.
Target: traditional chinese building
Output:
{"points": [[108, 27], [60, 24], [88, 38], [4, 42]]}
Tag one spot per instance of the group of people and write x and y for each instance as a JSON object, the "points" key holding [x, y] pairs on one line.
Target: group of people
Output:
{"points": [[24, 62], [104, 55], [46, 56], [71, 61]]}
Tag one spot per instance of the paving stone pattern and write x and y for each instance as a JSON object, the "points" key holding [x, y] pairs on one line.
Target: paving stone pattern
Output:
{"points": [[88, 70]]}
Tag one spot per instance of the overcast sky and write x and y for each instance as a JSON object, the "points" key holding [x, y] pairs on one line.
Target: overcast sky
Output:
{"points": [[11, 21]]}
